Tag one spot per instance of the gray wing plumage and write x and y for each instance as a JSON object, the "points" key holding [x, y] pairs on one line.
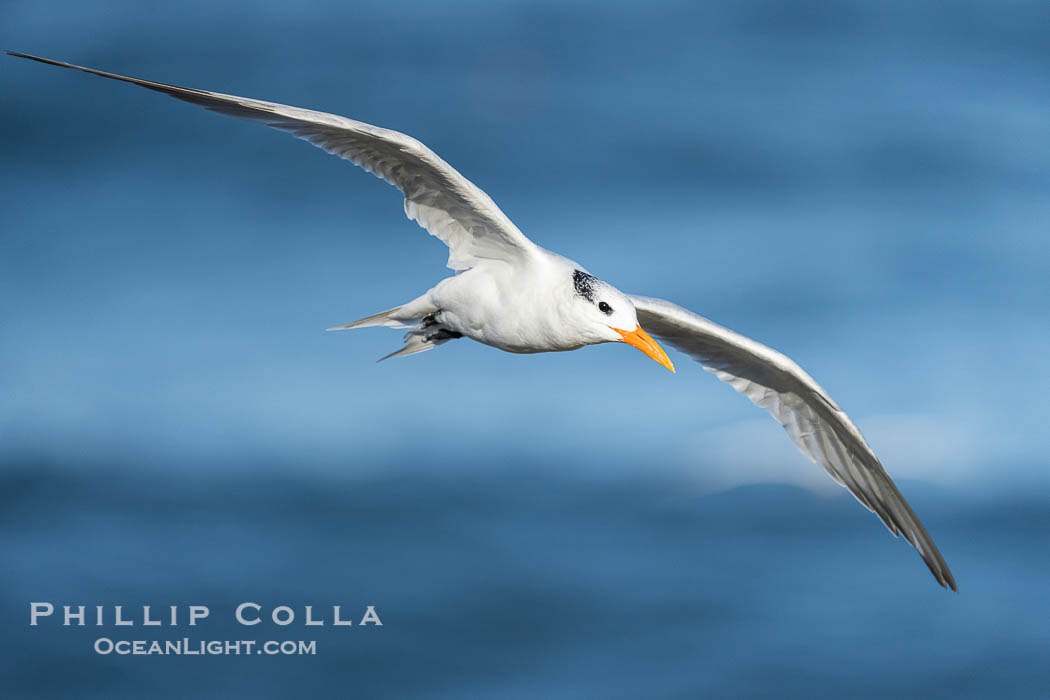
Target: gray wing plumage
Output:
{"points": [[820, 429], [442, 201]]}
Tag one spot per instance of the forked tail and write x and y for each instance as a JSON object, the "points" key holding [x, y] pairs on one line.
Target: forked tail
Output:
{"points": [[420, 317]]}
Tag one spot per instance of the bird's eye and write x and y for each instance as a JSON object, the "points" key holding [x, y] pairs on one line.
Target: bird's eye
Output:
{"points": [[604, 308]]}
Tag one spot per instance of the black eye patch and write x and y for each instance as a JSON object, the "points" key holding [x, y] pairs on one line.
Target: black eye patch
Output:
{"points": [[584, 284], [604, 308]]}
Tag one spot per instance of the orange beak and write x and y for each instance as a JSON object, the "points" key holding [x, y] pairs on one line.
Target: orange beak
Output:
{"points": [[641, 340]]}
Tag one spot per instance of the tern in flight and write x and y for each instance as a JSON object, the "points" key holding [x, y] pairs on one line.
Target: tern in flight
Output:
{"points": [[516, 296]]}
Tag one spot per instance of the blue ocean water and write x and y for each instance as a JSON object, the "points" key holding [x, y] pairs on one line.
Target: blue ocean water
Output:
{"points": [[535, 584], [861, 185]]}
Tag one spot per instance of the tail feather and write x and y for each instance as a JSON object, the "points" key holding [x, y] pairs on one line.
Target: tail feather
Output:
{"points": [[413, 343], [383, 318], [419, 316], [424, 337]]}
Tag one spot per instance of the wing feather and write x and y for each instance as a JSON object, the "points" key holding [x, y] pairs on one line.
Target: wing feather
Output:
{"points": [[438, 198], [815, 423]]}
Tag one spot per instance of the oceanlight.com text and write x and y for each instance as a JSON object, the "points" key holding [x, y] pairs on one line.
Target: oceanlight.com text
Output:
{"points": [[204, 647]]}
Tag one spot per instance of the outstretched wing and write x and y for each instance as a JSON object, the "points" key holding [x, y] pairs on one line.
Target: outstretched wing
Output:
{"points": [[441, 200], [822, 430]]}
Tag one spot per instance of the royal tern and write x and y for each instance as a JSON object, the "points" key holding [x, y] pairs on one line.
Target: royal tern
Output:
{"points": [[516, 296]]}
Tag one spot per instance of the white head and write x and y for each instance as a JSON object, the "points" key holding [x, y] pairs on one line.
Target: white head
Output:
{"points": [[605, 314]]}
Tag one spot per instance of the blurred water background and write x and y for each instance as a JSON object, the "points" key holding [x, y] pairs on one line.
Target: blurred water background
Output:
{"points": [[863, 185]]}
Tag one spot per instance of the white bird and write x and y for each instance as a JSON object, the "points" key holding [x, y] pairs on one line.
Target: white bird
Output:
{"points": [[516, 296]]}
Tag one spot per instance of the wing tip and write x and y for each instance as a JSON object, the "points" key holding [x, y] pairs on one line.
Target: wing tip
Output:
{"points": [[946, 579], [939, 568], [31, 57]]}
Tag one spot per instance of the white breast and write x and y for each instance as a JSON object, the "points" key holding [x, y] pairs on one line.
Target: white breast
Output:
{"points": [[521, 309]]}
